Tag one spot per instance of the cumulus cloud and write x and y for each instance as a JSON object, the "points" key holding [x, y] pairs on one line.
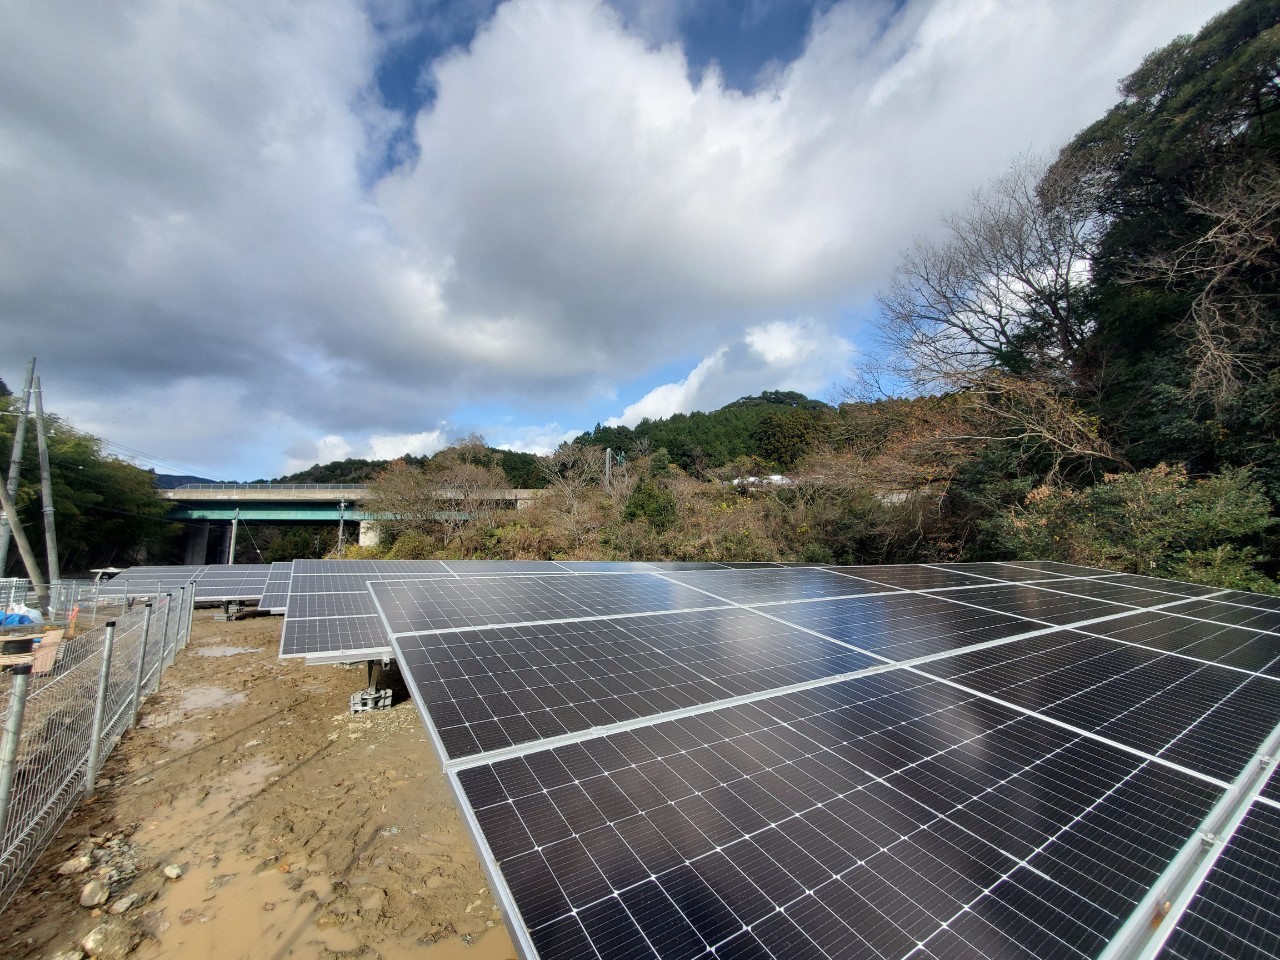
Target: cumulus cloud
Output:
{"points": [[802, 355], [194, 200]]}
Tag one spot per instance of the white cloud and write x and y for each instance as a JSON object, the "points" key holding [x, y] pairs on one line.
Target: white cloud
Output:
{"points": [[187, 201], [392, 446], [539, 439], [802, 355]]}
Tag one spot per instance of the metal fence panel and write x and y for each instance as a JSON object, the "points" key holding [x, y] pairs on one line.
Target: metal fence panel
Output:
{"points": [[49, 763]]}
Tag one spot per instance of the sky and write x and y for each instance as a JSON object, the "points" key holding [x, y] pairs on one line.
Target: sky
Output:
{"points": [[248, 236]]}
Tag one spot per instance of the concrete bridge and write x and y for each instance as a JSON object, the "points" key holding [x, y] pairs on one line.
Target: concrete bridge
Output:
{"points": [[206, 505]]}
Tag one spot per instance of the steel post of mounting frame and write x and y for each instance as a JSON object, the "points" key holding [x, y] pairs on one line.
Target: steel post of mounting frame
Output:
{"points": [[15, 460], [142, 664], [99, 710], [12, 733], [46, 492]]}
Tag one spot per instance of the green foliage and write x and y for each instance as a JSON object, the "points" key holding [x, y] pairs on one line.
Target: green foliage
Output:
{"points": [[1156, 522], [652, 503], [107, 511], [282, 543], [702, 442], [412, 545], [783, 438]]}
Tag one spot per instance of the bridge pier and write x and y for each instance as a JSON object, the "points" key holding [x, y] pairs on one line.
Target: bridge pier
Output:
{"points": [[197, 543], [370, 536]]}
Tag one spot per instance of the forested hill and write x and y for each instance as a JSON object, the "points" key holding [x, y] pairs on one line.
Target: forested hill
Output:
{"points": [[769, 431], [776, 428], [521, 469]]}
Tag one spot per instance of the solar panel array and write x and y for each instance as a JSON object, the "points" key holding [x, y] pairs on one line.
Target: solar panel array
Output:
{"points": [[214, 582], [930, 762], [349, 629]]}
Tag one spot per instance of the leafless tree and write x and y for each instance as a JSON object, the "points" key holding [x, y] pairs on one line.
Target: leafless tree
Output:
{"points": [[573, 472], [1234, 267], [403, 499], [1002, 289]]}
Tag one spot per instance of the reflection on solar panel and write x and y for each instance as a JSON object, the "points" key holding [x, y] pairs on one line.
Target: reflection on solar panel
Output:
{"points": [[928, 762], [355, 631]]}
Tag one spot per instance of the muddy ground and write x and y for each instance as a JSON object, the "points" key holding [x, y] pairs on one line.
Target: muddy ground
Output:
{"points": [[301, 830]]}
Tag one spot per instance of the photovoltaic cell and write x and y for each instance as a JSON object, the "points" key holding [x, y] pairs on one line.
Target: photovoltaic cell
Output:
{"points": [[275, 594], [1045, 606], [1167, 586], [859, 819], [313, 605], [772, 585], [1055, 566], [729, 779], [1255, 618], [1005, 572], [334, 635], [481, 601], [1236, 912], [1193, 714], [492, 688], [1126, 594], [900, 626], [911, 576], [1224, 645]]}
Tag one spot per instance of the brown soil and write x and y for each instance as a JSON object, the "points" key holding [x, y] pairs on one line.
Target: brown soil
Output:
{"points": [[302, 830]]}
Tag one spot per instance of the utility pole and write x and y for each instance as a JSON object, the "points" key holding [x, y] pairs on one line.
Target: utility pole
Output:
{"points": [[24, 548], [342, 518], [231, 550], [15, 460], [46, 491], [608, 467]]}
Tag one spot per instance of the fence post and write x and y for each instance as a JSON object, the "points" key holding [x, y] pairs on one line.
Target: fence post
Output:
{"points": [[100, 710], [171, 650], [142, 664], [191, 614], [164, 637], [9, 746]]}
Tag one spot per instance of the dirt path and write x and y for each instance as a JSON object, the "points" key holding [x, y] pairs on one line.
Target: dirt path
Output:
{"points": [[301, 830]]}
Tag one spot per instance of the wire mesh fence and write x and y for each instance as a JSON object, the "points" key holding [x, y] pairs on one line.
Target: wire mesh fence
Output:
{"points": [[62, 718]]}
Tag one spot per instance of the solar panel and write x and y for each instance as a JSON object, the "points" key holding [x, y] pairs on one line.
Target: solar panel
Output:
{"points": [[412, 606], [492, 688], [912, 577], [901, 626], [1005, 572], [149, 580], [1193, 714], [772, 585], [1226, 646], [1236, 912], [245, 581], [275, 593], [924, 764], [864, 818]]}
